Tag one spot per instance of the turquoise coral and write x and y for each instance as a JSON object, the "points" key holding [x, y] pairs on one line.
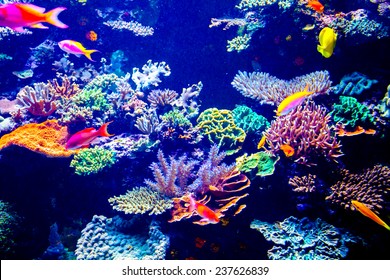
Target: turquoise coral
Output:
{"points": [[90, 161], [353, 84], [249, 121], [351, 113], [304, 239]]}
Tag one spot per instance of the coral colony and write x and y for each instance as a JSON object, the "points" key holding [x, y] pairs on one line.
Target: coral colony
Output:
{"points": [[167, 159]]}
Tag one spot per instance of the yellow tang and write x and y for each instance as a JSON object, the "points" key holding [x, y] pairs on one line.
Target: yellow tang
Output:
{"points": [[327, 39]]}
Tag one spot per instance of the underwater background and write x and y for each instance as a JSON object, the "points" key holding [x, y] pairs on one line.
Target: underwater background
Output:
{"points": [[204, 155]]}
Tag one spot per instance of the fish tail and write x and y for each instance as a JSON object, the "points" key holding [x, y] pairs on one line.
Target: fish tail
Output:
{"points": [[103, 130], [87, 53], [52, 17]]}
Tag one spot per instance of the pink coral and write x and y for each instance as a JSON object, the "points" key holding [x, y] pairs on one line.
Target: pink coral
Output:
{"points": [[307, 131]]}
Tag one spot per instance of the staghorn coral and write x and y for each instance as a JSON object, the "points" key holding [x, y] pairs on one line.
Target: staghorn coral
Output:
{"points": [[271, 90], [305, 184], [47, 138], [111, 239], [66, 90], [304, 239], [220, 128], [368, 187], [92, 161], [307, 131], [172, 177], [39, 101], [140, 200]]}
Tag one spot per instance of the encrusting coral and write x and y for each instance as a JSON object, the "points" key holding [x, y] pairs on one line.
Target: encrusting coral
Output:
{"points": [[47, 138]]}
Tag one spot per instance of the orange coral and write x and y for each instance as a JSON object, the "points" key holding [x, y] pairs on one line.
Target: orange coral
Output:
{"points": [[47, 138]]}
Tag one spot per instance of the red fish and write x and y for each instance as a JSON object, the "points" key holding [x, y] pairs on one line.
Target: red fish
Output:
{"points": [[19, 15], [205, 212], [316, 6], [83, 138]]}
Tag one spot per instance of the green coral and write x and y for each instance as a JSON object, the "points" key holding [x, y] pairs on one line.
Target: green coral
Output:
{"points": [[249, 121], [352, 113], [384, 105], [220, 129], [258, 164], [175, 118], [93, 160], [8, 221], [238, 43]]}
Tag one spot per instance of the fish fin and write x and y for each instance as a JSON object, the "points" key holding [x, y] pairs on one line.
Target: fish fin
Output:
{"points": [[19, 29], [87, 53], [26, 6], [77, 54], [52, 17], [103, 130], [39, 25]]}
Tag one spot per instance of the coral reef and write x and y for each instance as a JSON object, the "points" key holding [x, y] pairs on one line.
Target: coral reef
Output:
{"points": [[307, 131], [92, 161], [351, 113], [268, 89], [306, 184], [304, 239], [258, 164], [368, 187], [140, 200], [353, 84], [110, 239], [220, 128], [47, 138], [249, 121]]}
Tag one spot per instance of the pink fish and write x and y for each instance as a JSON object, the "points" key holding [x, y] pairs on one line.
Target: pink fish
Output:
{"points": [[75, 48], [292, 101], [83, 138], [19, 15]]}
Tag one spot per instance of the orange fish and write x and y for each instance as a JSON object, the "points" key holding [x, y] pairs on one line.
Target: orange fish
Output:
{"points": [[287, 149], [205, 212], [362, 208], [316, 6], [83, 138]]}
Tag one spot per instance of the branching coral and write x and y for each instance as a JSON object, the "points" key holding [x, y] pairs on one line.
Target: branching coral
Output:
{"points": [[39, 101], [93, 160], [305, 184], [140, 200], [307, 131], [271, 90], [162, 97], [304, 239], [368, 187], [47, 138]]}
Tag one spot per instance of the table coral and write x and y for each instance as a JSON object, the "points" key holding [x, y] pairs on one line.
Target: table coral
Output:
{"points": [[47, 138], [304, 239]]}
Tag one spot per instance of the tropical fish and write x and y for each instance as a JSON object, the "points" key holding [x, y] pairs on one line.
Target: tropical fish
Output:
{"points": [[287, 150], [327, 39], [205, 212], [261, 142], [19, 15], [75, 48], [315, 5], [362, 208], [308, 27], [292, 101], [25, 74], [83, 138]]}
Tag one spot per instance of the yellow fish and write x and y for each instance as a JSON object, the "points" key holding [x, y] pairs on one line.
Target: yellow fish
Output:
{"points": [[261, 142], [327, 39], [292, 101], [308, 27], [362, 208]]}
